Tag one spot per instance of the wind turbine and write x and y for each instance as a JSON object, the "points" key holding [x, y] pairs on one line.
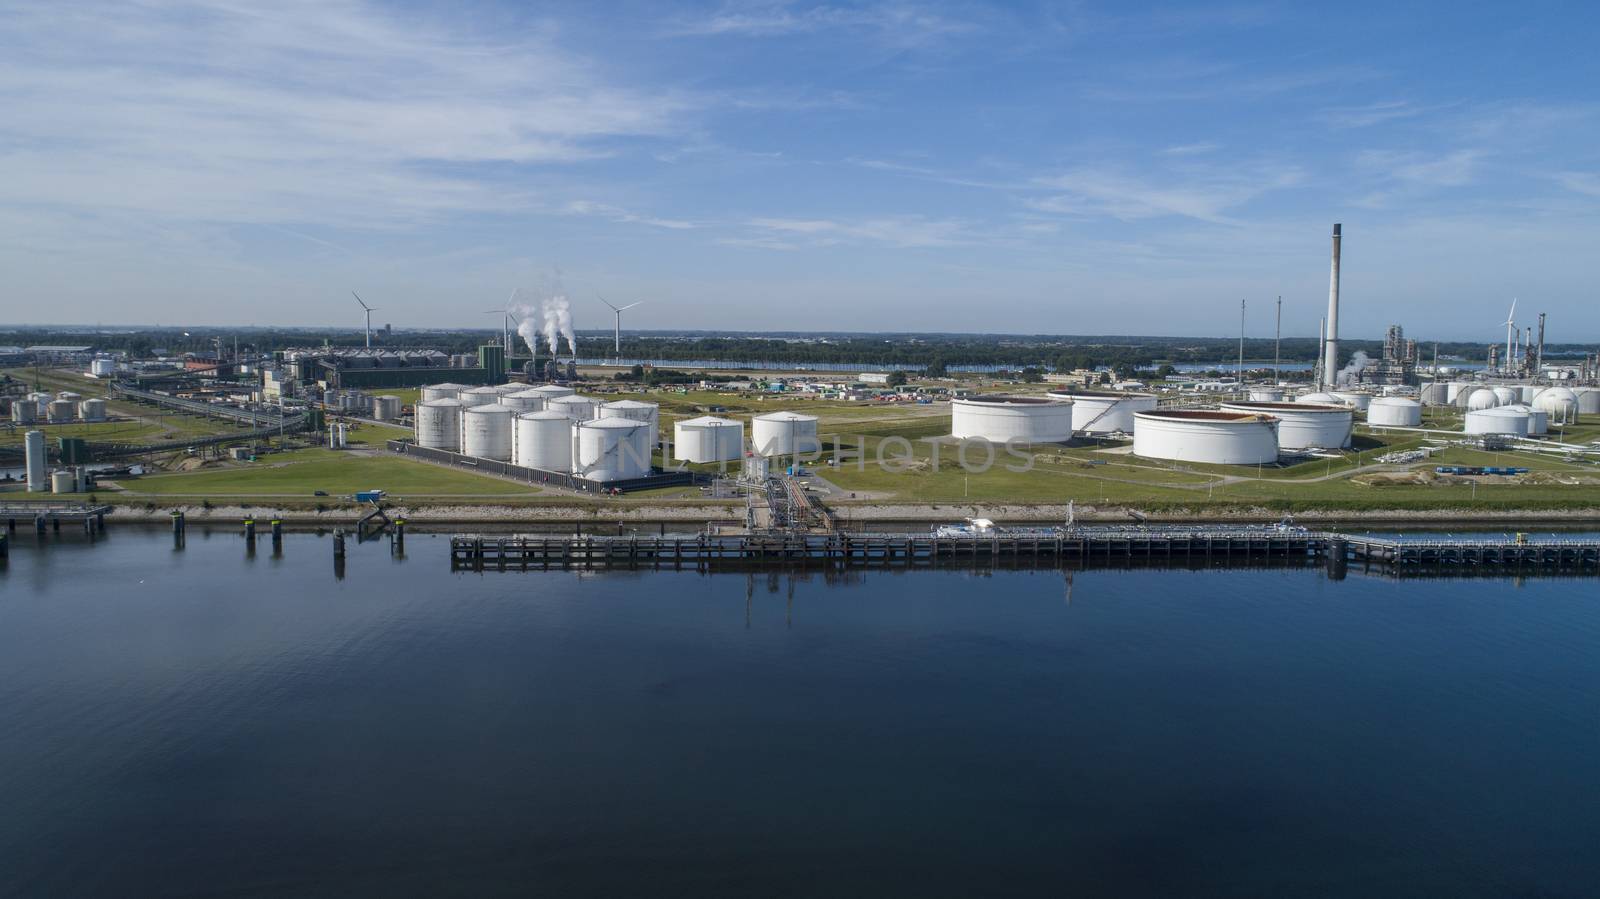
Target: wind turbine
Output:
{"points": [[1511, 332], [369, 316], [617, 334], [509, 318]]}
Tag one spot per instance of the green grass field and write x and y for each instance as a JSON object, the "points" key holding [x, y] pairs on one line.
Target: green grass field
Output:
{"points": [[300, 472]]}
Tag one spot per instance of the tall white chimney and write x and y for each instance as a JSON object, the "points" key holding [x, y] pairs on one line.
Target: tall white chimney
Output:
{"points": [[1330, 359]]}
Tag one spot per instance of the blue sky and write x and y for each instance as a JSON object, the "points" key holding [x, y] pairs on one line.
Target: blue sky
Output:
{"points": [[1024, 168]]}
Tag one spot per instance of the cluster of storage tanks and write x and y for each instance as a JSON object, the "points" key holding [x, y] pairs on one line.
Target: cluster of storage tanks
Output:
{"points": [[57, 408], [36, 462]]}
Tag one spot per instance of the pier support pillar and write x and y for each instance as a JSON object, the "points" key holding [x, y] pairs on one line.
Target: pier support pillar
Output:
{"points": [[277, 536], [338, 554], [177, 529], [5, 548], [398, 546], [38, 525]]}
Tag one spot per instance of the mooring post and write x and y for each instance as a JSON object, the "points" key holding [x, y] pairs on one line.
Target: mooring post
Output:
{"points": [[5, 548], [399, 547], [338, 543], [100, 521], [177, 527], [277, 536], [55, 525], [38, 524], [250, 531]]}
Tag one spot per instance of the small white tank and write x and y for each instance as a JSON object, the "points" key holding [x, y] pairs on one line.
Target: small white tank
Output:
{"points": [[551, 391], [1394, 412], [63, 480], [103, 368], [24, 412], [441, 392], [386, 408], [1588, 400], [439, 424], [708, 439], [486, 432], [611, 449], [92, 409], [1435, 394], [1265, 395], [544, 441], [1354, 398], [62, 410]]}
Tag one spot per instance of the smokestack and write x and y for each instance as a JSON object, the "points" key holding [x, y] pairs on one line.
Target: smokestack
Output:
{"points": [[1330, 359]]}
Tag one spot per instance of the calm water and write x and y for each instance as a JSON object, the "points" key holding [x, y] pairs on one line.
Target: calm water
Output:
{"points": [[196, 723]]}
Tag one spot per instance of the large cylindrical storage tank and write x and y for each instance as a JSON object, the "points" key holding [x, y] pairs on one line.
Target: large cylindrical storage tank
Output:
{"points": [[63, 480], [998, 419], [93, 409], [63, 410], [1435, 394], [544, 441], [439, 424], [1559, 403], [1588, 400], [1455, 390], [708, 439], [486, 432], [1354, 398], [441, 392], [24, 412], [103, 368], [1303, 426], [649, 413], [41, 403], [1318, 399], [1394, 412], [1097, 412], [524, 401], [1481, 398], [1192, 435], [611, 449], [386, 408], [1507, 396], [784, 434], [509, 388], [551, 391], [1497, 420], [479, 396], [577, 408], [34, 459], [1265, 395], [1538, 419]]}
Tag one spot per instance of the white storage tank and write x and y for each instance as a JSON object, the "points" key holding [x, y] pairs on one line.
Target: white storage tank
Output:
{"points": [[486, 432], [479, 396], [69, 396], [63, 410], [1497, 420], [41, 403], [611, 449], [386, 408], [577, 408], [1480, 398], [1456, 392], [708, 439], [24, 412], [784, 434], [439, 424], [1394, 412], [35, 459], [1435, 394], [551, 391], [997, 419], [103, 368], [63, 480], [524, 400], [1303, 426], [1559, 403], [509, 388], [1265, 395], [92, 409], [1100, 412], [1217, 437], [544, 441], [1588, 400], [649, 413], [1354, 398], [1538, 419], [1526, 393], [441, 392], [1318, 399], [1507, 396]]}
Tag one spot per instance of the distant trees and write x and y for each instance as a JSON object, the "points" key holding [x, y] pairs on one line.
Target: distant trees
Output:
{"points": [[897, 379]]}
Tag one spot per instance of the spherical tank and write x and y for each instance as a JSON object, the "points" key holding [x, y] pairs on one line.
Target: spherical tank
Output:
{"points": [[524, 400], [479, 396], [1435, 394], [997, 419], [1104, 413], [441, 392], [1497, 420], [1506, 396], [1355, 399], [1303, 426], [386, 408], [1482, 398], [784, 434], [544, 441], [612, 449], [92, 409], [439, 424], [707, 439], [1559, 403], [1588, 400], [1223, 438], [486, 432], [1455, 392], [577, 408], [1265, 395], [649, 413], [1394, 412]]}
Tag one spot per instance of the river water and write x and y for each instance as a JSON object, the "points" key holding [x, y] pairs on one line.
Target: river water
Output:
{"points": [[200, 722]]}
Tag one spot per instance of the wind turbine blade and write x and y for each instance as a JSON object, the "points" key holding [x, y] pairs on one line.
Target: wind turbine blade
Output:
{"points": [[631, 305], [513, 298], [608, 303], [360, 300]]}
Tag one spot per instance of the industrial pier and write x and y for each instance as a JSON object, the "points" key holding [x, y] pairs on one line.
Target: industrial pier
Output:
{"points": [[1080, 547]]}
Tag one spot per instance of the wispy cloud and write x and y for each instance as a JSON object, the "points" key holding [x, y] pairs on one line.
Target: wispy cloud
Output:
{"points": [[898, 23], [902, 232], [1194, 149], [618, 214], [1586, 183], [1370, 114], [1203, 195]]}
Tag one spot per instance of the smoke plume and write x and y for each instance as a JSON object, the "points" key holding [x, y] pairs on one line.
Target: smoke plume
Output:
{"points": [[1347, 375], [555, 317]]}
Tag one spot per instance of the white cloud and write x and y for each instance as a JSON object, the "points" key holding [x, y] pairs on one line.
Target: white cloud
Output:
{"points": [[618, 214], [1586, 183], [1370, 114], [904, 232], [902, 24], [1198, 194], [1453, 169]]}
